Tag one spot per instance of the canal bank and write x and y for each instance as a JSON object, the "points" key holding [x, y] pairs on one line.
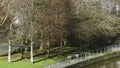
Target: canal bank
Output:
{"points": [[95, 60], [89, 58]]}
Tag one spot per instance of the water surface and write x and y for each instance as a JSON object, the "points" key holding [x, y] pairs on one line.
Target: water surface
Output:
{"points": [[111, 63]]}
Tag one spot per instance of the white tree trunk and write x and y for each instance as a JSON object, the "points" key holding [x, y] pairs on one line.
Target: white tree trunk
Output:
{"points": [[31, 53], [9, 53], [117, 9]]}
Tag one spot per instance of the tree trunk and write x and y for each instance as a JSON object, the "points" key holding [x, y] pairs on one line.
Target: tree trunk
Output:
{"points": [[41, 46], [9, 53], [61, 52], [22, 51], [22, 48], [48, 52], [117, 9], [31, 53], [48, 43], [22, 55]]}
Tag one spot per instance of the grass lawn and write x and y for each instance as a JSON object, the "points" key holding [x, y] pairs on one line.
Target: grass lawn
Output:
{"points": [[25, 63], [40, 62]]}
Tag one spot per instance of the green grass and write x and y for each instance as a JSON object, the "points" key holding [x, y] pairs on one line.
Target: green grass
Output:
{"points": [[25, 63], [40, 61]]}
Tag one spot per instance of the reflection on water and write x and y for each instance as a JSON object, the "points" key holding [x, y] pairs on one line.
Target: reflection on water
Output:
{"points": [[111, 63]]}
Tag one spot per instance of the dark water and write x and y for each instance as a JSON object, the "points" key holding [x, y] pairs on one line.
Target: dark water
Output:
{"points": [[111, 63]]}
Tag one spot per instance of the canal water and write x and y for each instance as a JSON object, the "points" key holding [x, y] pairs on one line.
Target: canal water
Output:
{"points": [[111, 63]]}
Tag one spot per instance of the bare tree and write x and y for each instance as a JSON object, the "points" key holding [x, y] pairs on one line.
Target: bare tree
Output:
{"points": [[50, 22], [21, 12]]}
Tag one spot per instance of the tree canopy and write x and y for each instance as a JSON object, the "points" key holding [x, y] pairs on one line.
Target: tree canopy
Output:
{"points": [[56, 21]]}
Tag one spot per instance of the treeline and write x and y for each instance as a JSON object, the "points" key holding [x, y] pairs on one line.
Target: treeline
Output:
{"points": [[50, 23]]}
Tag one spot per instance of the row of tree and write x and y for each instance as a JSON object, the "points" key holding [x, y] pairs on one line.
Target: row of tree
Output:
{"points": [[59, 22]]}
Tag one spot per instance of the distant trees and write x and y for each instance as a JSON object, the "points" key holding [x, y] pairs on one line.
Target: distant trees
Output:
{"points": [[92, 26]]}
